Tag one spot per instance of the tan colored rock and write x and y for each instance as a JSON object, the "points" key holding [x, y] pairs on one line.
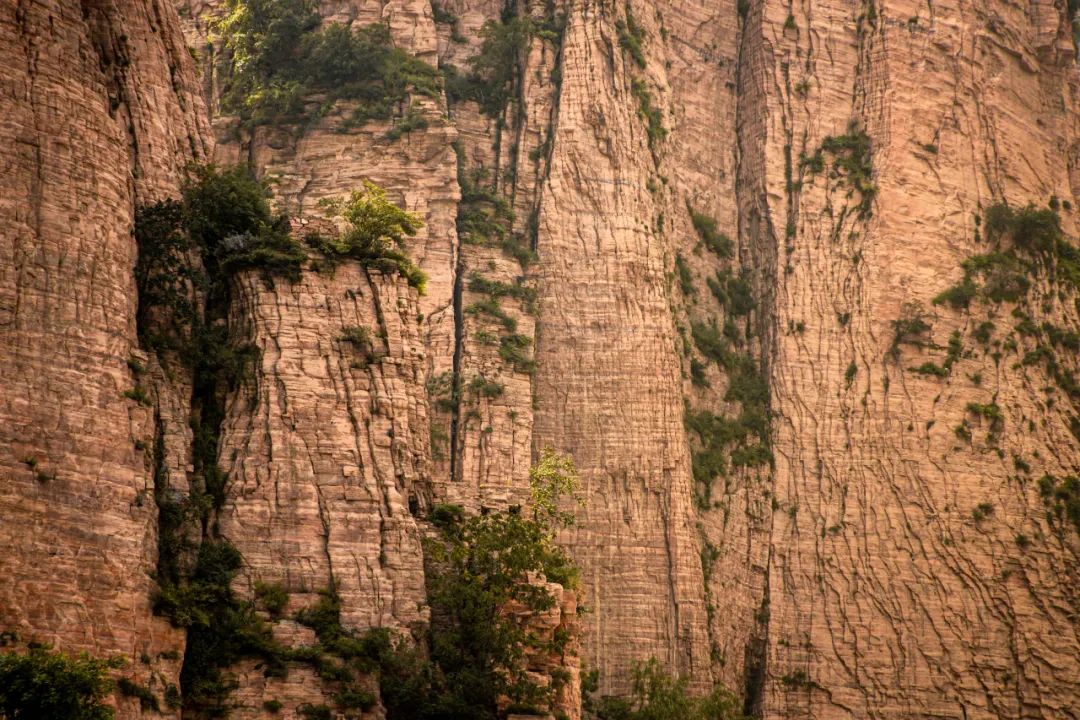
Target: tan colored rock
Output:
{"points": [[100, 112]]}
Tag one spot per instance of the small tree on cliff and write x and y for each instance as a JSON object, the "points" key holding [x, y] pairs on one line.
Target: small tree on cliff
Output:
{"points": [[42, 684], [376, 233], [485, 578]]}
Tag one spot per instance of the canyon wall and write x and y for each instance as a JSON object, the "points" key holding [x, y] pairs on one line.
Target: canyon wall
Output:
{"points": [[698, 249], [100, 112]]}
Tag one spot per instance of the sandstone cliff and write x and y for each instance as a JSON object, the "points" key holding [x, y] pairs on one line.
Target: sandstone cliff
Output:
{"points": [[700, 246], [100, 113]]}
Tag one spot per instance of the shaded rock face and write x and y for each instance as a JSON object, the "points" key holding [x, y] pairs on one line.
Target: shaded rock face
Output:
{"points": [[886, 549], [100, 112]]}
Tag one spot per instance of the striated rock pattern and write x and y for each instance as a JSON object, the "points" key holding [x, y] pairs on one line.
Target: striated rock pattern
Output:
{"points": [[714, 239], [100, 112]]}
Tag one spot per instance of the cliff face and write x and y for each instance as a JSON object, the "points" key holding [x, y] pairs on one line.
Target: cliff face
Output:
{"points": [[698, 249], [100, 113]]}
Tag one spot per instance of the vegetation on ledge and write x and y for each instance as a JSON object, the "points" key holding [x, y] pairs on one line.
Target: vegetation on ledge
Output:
{"points": [[276, 57]]}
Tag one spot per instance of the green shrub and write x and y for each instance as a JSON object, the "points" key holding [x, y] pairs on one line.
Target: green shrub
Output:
{"points": [[705, 226], [1062, 498], [655, 694], [930, 368], [852, 157], [272, 706], [733, 292], [697, 373], [376, 234], [315, 712], [42, 684], [958, 296], [982, 511], [514, 350], [494, 71], [276, 55], [412, 121], [147, 699], [631, 37], [653, 117], [273, 596], [481, 387], [910, 328], [686, 279], [138, 395]]}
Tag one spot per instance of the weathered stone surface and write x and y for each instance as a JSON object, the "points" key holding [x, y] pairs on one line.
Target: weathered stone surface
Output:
{"points": [[850, 578], [100, 112]]}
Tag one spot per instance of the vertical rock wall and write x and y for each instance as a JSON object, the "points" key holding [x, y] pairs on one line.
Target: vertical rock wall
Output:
{"points": [[100, 112], [898, 582], [874, 568]]}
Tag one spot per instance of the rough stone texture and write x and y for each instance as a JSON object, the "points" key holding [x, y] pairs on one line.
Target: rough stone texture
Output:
{"points": [[850, 579], [100, 112], [608, 385], [886, 598], [326, 453]]}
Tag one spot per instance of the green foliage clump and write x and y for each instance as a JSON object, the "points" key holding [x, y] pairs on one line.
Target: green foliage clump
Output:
{"points": [[1003, 275], [657, 695], [315, 712], [733, 292], [484, 218], [910, 328], [1062, 498], [494, 72], [412, 121], [652, 115], [147, 699], [930, 368], [514, 348], [982, 511], [40, 684], [273, 596], [497, 289], [222, 628], [227, 215], [705, 226], [477, 567], [746, 437], [852, 156], [631, 37], [276, 56], [686, 279], [225, 218], [697, 373], [480, 386], [375, 236]]}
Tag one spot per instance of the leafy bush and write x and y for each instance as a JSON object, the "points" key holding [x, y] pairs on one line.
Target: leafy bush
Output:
{"points": [[276, 56], [653, 117], [733, 292], [657, 695], [494, 71], [273, 596], [376, 234], [478, 565], [43, 684], [514, 350], [631, 37], [705, 226], [147, 699], [1062, 498], [910, 328], [227, 214], [686, 279]]}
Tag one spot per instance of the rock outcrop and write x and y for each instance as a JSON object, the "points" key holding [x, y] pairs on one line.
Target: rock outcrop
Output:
{"points": [[701, 247], [101, 112]]}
